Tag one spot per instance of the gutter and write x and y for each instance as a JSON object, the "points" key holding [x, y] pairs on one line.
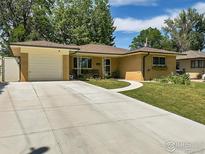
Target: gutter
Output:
{"points": [[144, 62], [75, 52], [42, 46]]}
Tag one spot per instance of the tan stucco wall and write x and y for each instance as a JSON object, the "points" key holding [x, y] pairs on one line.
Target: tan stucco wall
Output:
{"points": [[25, 51], [131, 67], [151, 73], [193, 72], [97, 64]]}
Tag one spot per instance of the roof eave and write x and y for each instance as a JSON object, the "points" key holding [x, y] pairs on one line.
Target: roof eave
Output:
{"points": [[154, 52], [85, 52]]}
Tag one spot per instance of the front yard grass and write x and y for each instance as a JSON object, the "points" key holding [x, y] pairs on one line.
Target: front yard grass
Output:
{"points": [[187, 101], [108, 83]]}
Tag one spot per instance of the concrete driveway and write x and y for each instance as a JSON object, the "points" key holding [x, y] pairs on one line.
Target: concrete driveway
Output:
{"points": [[77, 118]]}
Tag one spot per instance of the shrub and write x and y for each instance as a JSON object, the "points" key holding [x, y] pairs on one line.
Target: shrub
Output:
{"points": [[199, 76], [116, 74], [83, 77], [159, 68], [175, 79], [180, 79], [108, 77]]}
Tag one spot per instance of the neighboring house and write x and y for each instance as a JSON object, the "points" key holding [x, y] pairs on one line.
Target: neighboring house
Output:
{"points": [[42, 60], [192, 63]]}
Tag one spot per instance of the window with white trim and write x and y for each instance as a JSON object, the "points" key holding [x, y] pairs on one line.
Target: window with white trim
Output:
{"points": [[159, 61], [107, 67], [85, 63]]}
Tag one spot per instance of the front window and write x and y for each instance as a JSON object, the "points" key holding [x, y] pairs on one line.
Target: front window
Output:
{"points": [[84, 63], [159, 61], [198, 64], [178, 65]]}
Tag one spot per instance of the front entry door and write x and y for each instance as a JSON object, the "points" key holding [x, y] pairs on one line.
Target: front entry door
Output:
{"points": [[107, 67]]}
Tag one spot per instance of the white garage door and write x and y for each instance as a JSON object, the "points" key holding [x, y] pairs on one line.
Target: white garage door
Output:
{"points": [[44, 66]]}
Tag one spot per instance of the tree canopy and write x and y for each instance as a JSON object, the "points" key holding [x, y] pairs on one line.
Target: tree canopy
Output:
{"points": [[62, 21], [187, 30], [154, 39]]}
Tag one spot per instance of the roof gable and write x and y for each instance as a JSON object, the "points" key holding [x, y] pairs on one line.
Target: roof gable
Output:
{"points": [[103, 49]]}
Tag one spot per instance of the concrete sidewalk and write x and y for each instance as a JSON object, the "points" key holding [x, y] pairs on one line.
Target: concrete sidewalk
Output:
{"points": [[77, 118], [133, 85]]}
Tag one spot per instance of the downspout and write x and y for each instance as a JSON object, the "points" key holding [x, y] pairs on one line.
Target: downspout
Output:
{"points": [[144, 62]]}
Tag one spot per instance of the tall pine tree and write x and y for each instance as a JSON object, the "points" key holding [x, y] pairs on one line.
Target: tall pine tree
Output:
{"points": [[102, 23], [82, 22]]}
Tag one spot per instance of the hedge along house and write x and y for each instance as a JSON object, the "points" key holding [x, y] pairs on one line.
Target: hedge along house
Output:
{"points": [[193, 63], [42, 60]]}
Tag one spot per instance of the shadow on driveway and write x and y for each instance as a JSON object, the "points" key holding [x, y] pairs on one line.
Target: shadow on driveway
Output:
{"points": [[2, 86], [41, 150]]}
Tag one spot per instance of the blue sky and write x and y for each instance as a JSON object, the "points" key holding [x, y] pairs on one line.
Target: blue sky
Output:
{"points": [[132, 16]]}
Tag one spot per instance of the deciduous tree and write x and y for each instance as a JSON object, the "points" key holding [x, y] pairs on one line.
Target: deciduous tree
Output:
{"points": [[187, 30]]}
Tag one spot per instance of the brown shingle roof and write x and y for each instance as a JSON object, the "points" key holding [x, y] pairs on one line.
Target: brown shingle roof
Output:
{"points": [[92, 48], [102, 49], [153, 50], [191, 55], [45, 44]]}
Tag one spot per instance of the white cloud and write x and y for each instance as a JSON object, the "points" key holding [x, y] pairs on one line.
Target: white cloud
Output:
{"points": [[200, 6], [136, 25], [133, 2], [133, 25]]}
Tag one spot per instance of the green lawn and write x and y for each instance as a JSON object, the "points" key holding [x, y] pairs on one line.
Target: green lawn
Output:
{"points": [[187, 101], [108, 83]]}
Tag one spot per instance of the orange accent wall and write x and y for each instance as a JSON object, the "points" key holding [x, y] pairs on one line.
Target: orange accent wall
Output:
{"points": [[65, 67], [131, 67], [24, 66], [16, 51]]}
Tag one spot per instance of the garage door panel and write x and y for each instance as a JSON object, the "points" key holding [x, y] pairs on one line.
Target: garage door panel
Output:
{"points": [[45, 66]]}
